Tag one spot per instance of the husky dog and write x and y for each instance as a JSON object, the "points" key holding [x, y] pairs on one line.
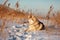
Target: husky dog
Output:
{"points": [[34, 24]]}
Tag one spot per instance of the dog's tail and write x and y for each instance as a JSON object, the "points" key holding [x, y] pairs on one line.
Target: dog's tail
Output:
{"points": [[43, 26]]}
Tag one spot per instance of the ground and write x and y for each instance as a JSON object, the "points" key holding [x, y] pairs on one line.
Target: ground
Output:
{"points": [[14, 31]]}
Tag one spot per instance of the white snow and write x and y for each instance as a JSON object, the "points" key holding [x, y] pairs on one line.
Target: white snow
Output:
{"points": [[16, 32]]}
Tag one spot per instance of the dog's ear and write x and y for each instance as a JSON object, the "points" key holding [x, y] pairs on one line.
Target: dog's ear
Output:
{"points": [[30, 16]]}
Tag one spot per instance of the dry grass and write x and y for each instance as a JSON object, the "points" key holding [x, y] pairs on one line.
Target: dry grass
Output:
{"points": [[7, 13], [57, 17]]}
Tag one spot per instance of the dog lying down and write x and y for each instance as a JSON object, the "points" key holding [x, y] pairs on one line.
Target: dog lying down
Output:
{"points": [[34, 24]]}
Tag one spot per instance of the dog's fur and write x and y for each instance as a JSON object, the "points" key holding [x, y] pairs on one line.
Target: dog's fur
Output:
{"points": [[34, 24]]}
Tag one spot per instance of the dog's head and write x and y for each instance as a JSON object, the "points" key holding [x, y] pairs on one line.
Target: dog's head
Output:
{"points": [[31, 19]]}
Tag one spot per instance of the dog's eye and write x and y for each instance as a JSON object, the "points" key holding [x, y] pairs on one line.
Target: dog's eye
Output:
{"points": [[30, 16]]}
